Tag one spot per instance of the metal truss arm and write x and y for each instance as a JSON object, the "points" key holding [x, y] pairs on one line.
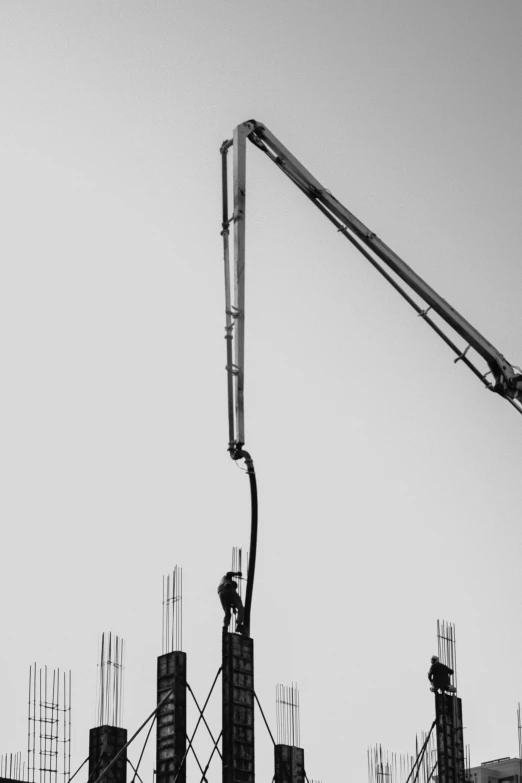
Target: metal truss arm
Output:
{"points": [[235, 289], [508, 379]]}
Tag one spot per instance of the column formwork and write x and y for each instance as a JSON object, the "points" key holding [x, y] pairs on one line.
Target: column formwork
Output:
{"points": [[238, 708], [171, 734], [288, 764], [104, 743], [450, 739]]}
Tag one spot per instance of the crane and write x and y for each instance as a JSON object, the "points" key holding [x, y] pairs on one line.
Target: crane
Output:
{"points": [[500, 376]]}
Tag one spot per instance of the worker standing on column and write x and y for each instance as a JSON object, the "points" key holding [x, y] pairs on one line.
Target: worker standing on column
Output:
{"points": [[439, 676], [231, 600]]}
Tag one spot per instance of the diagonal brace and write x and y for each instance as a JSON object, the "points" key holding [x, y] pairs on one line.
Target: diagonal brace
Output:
{"points": [[197, 724], [202, 716], [203, 778]]}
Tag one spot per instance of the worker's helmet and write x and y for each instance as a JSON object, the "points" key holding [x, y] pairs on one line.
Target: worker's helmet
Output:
{"points": [[434, 658]]}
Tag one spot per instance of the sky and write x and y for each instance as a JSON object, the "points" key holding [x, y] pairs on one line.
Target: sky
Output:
{"points": [[389, 479]]}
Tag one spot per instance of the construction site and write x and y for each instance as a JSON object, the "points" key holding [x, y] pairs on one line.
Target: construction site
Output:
{"points": [[190, 733], [115, 754]]}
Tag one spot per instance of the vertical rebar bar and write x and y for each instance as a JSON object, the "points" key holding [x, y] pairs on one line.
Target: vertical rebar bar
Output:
{"points": [[110, 681], [172, 612], [447, 647], [519, 744], [69, 736], [288, 715], [40, 723], [29, 719], [163, 615]]}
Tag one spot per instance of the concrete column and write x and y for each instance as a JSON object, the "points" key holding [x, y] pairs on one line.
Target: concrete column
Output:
{"points": [[289, 764], [104, 744], [450, 739], [238, 708], [171, 734]]}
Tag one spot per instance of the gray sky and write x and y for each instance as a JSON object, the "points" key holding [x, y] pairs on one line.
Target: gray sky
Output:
{"points": [[389, 479]]}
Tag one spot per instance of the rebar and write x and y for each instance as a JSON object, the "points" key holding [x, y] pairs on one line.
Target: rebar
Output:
{"points": [[237, 567], [429, 757], [110, 683], [519, 724], [386, 767], [447, 647], [12, 766], [54, 724], [172, 612], [288, 715], [467, 763]]}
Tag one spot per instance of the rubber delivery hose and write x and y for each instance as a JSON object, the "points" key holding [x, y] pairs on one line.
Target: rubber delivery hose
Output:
{"points": [[253, 540]]}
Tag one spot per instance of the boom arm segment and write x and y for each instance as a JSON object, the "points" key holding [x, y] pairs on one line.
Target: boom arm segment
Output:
{"points": [[507, 378]]}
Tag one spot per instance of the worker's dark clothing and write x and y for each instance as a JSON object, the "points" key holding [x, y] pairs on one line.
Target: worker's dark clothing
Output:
{"points": [[439, 676], [230, 600]]}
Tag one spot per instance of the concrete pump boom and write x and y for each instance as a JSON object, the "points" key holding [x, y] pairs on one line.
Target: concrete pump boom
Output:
{"points": [[507, 379]]}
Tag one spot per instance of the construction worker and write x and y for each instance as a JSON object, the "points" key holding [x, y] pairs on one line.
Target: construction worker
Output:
{"points": [[439, 676], [231, 600]]}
